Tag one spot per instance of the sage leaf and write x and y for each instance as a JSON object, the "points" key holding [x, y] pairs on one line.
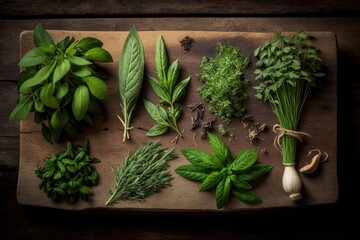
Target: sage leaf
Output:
{"points": [[192, 172], [80, 102], [180, 89], [201, 159], [220, 149], [249, 197], [161, 60], [97, 87], [157, 130], [211, 181], [88, 43], [244, 159], [172, 74], [41, 36], [98, 54], [131, 73], [22, 108], [62, 68], [33, 57]]}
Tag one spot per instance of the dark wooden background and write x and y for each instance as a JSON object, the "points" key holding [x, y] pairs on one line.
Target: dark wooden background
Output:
{"points": [[333, 221]]}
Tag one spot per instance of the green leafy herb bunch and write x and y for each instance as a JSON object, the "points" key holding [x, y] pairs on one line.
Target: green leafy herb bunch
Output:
{"points": [[169, 90], [221, 171], [69, 175], [59, 83], [224, 83]]}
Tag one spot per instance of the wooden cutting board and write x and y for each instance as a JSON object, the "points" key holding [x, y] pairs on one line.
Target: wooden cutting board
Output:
{"points": [[319, 119]]}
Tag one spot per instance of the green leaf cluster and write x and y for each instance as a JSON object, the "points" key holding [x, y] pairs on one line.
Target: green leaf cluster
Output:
{"points": [[287, 68], [131, 72], [69, 174], [60, 83], [224, 83], [169, 91], [221, 171], [143, 173]]}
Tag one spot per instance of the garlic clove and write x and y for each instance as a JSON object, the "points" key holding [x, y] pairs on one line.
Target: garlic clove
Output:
{"points": [[312, 166], [292, 183]]}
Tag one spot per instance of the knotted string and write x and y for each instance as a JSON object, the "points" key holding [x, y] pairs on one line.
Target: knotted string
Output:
{"points": [[280, 131]]}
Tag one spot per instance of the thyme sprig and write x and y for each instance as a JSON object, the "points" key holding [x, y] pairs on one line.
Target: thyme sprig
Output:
{"points": [[142, 173]]}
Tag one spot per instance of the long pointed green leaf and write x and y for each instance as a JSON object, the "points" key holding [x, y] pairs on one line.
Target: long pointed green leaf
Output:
{"points": [[22, 108], [80, 102], [41, 37], [161, 60]]}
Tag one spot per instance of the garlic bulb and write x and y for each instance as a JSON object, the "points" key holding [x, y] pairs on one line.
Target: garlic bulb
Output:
{"points": [[292, 182]]}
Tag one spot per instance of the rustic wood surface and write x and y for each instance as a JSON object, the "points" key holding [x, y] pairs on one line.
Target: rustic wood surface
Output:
{"points": [[319, 119], [330, 221]]}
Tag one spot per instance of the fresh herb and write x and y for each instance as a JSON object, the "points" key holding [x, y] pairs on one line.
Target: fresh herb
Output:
{"points": [[69, 175], [224, 83], [222, 130], [287, 68], [186, 43], [169, 92], [224, 173], [131, 72], [60, 84], [143, 173]]}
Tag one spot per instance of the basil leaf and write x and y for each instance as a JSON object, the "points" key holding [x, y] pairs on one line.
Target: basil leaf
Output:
{"points": [[241, 184], [82, 72], [211, 181], [161, 60], [223, 191], [71, 131], [33, 57], [157, 130], [22, 108], [98, 54], [45, 131], [160, 92], [80, 61], [97, 87], [61, 90], [156, 112], [80, 102], [88, 43], [62, 68], [249, 197], [180, 89], [192, 172], [41, 36], [172, 74], [220, 149], [94, 106], [244, 160], [59, 119], [39, 106], [46, 96], [201, 159], [255, 172], [64, 43], [39, 77]]}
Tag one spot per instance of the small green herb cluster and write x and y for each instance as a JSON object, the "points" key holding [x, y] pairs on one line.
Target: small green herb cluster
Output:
{"points": [[223, 172], [169, 92], [60, 84], [70, 174], [142, 173], [224, 83]]}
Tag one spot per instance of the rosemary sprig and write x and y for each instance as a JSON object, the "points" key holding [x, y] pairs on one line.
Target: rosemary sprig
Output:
{"points": [[142, 173]]}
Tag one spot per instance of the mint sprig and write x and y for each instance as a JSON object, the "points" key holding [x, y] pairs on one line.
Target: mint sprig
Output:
{"points": [[221, 171]]}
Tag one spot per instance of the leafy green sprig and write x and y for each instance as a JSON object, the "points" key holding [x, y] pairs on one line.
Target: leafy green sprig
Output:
{"points": [[168, 90], [228, 175], [60, 84], [142, 173], [224, 83], [68, 175]]}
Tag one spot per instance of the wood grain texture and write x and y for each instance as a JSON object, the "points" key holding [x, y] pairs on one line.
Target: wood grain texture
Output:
{"points": [[321, 188], [120, 8]]}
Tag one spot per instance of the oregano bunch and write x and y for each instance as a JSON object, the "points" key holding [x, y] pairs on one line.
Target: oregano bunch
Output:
{"points": [[169, 91], [69, 174], [221, 171], [60, 84]]}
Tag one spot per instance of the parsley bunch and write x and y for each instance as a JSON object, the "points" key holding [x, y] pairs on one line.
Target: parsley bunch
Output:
{"points": [[227, 174]]}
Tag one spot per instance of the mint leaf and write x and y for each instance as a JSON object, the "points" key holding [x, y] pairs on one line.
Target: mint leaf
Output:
{"points": [[201, 159], [249, 197], [244, 160], [220, 149], [223, 191], [211, 181], [255, 172], [192, 172]]}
